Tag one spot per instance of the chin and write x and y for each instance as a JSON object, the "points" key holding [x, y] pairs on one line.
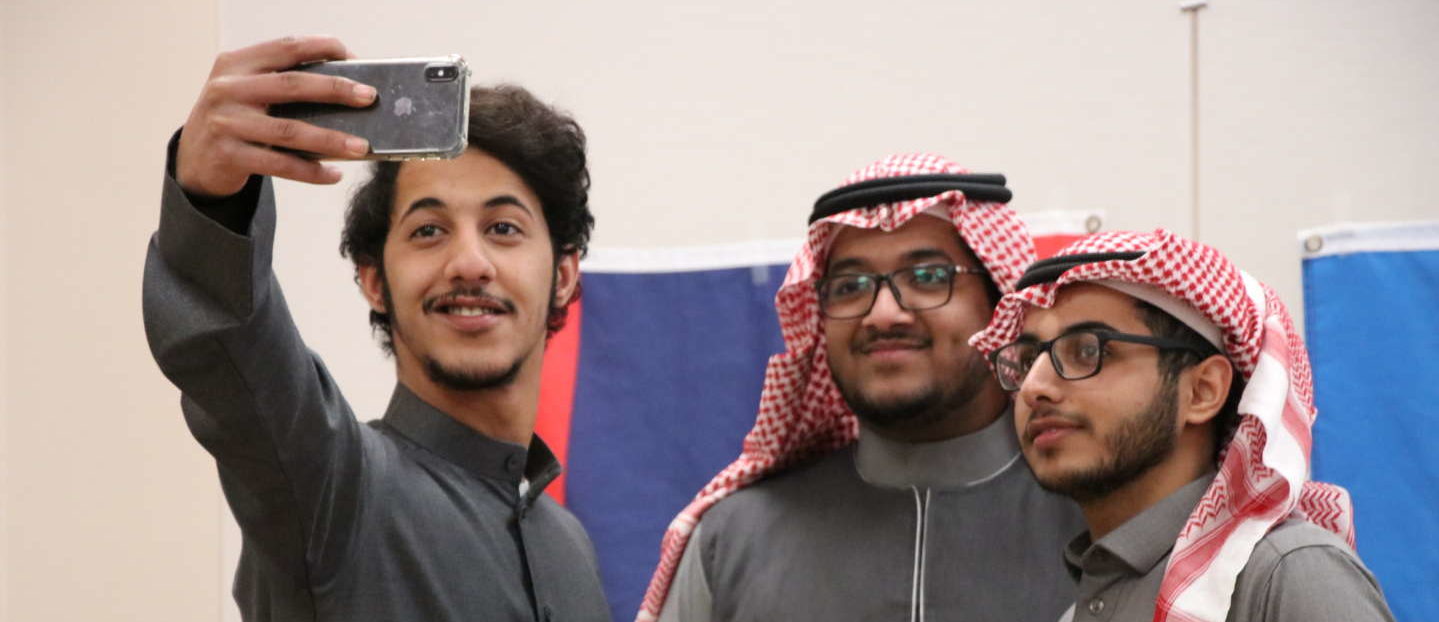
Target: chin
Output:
{"points": [[1080, 484], [897, 391], [473, 376], [897, 411]]}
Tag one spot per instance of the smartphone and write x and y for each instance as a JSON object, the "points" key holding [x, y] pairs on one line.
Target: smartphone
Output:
{"points": [[421, 110]]}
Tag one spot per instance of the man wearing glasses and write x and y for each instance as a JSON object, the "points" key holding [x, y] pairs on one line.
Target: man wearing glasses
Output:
{"points": [[1166, 392], [882, 480]]}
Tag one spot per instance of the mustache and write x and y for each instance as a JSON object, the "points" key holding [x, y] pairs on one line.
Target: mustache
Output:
{"points": [[904, 338], [467, 292]]}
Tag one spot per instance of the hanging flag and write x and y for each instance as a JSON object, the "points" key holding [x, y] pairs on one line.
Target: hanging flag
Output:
{"points": [[654, 382], [1370, 295]]}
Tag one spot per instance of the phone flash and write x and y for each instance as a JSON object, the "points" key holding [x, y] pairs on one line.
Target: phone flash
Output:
{"points": [[441, 73]]}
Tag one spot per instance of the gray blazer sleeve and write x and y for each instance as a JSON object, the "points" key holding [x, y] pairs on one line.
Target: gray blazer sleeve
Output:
{"points": [[289, 451]]}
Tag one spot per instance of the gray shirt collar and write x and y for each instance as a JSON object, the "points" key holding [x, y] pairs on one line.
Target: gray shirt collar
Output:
{"points": [[953, 463], [467, 448], [1142, 541]]}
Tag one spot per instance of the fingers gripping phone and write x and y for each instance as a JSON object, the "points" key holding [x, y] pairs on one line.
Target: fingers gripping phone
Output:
{"points": [[421, 110]]}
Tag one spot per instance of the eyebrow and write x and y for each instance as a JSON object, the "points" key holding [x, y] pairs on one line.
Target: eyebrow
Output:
{"points": [[1072, 328], [434, 203], [910, 258], [920, 254]]}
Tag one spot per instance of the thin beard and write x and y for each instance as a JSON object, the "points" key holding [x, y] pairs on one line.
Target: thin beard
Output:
{"points": [[1137, 446], [917, 411], [469, 381]]}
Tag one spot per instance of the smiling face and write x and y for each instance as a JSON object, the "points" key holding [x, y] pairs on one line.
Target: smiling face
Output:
{"points": [[911, 375], [1086, 438], [469, 275]]}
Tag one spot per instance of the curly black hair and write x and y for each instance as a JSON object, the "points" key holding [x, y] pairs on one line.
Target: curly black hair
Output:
{"points": [[541, 144]]}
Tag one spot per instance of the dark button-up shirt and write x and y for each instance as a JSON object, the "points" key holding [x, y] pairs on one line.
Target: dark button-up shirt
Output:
{"points": [[415, 517], [1299, 572]]}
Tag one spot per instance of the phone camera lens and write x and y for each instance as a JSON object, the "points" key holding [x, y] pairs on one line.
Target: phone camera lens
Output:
{"points": [[441, 73]]}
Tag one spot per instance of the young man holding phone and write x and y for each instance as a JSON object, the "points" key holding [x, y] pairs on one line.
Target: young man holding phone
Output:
{"points": [[435, 511]]}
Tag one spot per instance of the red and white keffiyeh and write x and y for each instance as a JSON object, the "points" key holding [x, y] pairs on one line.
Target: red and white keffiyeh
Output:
{"points": [[801, 412], [1263, 474]]}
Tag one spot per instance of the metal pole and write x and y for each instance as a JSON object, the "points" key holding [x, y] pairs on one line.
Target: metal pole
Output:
{"points": [[1192, 7]]}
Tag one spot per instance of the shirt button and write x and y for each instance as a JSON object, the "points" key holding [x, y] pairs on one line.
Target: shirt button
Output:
{"points": [[1096, 606], [514, 463], [549, 614]]}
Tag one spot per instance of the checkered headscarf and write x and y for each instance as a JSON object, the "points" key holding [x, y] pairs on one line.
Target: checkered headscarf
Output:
{"points": [[801, 412], [1263, 474]]}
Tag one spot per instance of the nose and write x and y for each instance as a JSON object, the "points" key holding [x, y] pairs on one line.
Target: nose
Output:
{"points": [[1042, 384], [886, 312], [469, 259]]}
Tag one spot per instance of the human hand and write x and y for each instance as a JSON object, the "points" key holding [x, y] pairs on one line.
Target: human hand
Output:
{"points": [[229, 132]]}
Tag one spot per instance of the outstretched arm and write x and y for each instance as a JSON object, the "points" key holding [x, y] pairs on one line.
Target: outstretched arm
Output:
{"points": [[290, 453]]}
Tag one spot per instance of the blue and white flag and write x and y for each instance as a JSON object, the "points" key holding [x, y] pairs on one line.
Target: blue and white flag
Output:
{"points": [[1371, 294]]}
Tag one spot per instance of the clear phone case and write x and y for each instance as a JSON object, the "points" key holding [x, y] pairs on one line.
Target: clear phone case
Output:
{"points": [[421, 111]]}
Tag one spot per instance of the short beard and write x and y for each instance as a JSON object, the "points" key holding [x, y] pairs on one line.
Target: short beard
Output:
{"points": [[461, 380], [1140, 444], [924, 408]]}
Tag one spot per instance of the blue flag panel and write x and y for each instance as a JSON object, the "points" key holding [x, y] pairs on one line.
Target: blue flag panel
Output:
{"points": [[668, 383], [1375, 348]]}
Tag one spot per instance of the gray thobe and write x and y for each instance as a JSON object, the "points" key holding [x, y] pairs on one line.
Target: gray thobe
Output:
{"points": [[415, 517], [882, 530], [1298, 572]]}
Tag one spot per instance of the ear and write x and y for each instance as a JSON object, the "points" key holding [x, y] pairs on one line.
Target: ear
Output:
{"points": [[372, 285], [1204, 388], [567, 278]]}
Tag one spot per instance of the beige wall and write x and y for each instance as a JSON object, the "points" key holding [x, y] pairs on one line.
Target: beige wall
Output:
{"points": [[1314, 113], [109, 508], [709, 124], [6, 51]]}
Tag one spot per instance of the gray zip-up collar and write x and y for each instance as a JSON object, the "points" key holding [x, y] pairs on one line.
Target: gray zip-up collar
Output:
{"points": [[953, 463]]}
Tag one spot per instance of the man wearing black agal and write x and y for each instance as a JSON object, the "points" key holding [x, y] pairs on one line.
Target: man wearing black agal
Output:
{"points": [[882, 479]]}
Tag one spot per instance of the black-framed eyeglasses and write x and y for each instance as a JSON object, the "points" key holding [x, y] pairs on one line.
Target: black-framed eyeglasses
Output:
{"points": [[1075, 356], [916, 288]]}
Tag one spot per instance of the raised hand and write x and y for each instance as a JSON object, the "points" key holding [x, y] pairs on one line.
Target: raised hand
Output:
{"points": [[228, 135]]}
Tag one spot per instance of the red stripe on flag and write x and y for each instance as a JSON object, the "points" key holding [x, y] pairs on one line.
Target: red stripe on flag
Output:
{"points": [[1047, 245], [557, 394]]}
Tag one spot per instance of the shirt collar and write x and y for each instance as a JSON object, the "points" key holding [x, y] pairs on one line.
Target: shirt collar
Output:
{"points": [[952, 463], [467, 448], [1142, 541]]}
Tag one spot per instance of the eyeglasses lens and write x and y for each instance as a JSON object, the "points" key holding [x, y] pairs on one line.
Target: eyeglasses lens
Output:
{"points": [[1012, 363], [924, 287], [847, 296], [1076, 355]]}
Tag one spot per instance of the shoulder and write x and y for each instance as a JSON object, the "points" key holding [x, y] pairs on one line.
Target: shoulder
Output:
{"points": [[1295, 542], [1295, 534], [791, 485], [560, 515], [557, 522], [1301, 571]]}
